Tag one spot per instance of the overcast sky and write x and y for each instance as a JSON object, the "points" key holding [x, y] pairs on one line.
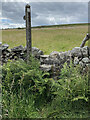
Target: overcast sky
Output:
{"points": [[43, 13]]}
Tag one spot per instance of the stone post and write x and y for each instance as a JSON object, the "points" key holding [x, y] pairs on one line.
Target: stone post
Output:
{"points": [[27, 17]]}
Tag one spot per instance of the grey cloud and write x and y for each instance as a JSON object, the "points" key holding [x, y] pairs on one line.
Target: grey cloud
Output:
{"points": [[13, 11], [42, 12], [79, 11]]}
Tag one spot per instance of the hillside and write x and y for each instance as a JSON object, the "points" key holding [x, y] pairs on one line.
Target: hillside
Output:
{"points": [[48, 39]]}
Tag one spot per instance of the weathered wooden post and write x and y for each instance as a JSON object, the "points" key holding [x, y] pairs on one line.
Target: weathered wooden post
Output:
{"points": [[27, 17]]}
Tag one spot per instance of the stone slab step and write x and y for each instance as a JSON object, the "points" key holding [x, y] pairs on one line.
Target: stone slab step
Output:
{"points": [[45, 67], [44, 56]]}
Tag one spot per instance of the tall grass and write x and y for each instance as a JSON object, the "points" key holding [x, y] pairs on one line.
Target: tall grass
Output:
{"points": [[28, 93]]}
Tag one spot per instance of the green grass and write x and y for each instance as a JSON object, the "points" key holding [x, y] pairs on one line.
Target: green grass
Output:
{"points": [[61, 38], [27, 93]]}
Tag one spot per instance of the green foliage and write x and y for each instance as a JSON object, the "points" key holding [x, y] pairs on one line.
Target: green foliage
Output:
{"points": [[75, 83], [71, 95], [18, 75], [30, 93], [20, 79]]}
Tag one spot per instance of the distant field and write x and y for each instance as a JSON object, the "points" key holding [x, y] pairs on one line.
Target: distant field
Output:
{"points": [[61, 38]]}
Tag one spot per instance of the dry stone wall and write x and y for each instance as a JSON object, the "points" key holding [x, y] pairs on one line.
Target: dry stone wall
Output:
{"points": [[55, 61], [17, 52], [49, 63]]}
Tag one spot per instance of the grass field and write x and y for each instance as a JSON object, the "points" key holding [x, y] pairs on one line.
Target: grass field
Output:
{"points": [[48, 39]]}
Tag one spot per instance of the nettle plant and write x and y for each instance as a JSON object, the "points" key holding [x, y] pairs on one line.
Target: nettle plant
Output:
{"points": [[18, 76], [22, 83], [73, 85]]}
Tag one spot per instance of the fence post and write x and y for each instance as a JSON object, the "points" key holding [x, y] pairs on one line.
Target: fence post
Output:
{"points": [[27, 17]]}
